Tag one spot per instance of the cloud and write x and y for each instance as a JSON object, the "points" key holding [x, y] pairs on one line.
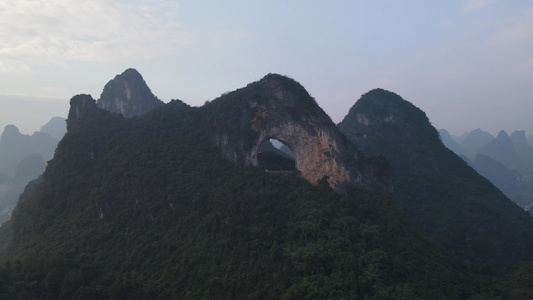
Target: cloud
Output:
{"points": [[34, 32], [475, 4]]}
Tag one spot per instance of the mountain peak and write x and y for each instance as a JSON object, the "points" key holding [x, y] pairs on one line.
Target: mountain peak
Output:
{"points": [[518, 135], [280, 108], [502, 135], [79, 105], [429, 179], [10, 131], [386, 108], [128, 94], [131, 73], [502, 149], [56, 128], [523, 150]]}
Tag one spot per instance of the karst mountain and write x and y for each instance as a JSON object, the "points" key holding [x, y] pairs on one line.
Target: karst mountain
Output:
{"points": [[146, 200]]}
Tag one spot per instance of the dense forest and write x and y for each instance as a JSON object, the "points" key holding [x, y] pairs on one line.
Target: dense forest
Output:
{"points": [[148, 208], [437, 190]]}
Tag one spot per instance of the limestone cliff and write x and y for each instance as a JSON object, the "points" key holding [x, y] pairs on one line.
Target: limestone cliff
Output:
{"points": [[274, 107], [79, 106], [280, 108], [128, 95]]}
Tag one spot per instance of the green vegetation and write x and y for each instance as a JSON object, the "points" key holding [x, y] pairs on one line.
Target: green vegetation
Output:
{"points": [[437, 191], [147, 208]]}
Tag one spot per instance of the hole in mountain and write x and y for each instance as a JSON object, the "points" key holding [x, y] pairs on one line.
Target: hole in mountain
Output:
{"points": [[273, 155]]}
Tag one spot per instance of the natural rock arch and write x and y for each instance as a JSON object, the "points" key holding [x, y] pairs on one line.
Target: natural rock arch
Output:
{"points": [[274, 155], [277, 107]]}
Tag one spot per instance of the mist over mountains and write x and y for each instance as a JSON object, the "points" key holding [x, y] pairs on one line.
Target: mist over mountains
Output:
{"points": [[146, 200], [23, 158], [436, 190], [506, 160]]}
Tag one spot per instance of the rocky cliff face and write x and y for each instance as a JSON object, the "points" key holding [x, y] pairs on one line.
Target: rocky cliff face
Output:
{"points": [[79, 106], [274, 107], [278, 107], [128, 95]]}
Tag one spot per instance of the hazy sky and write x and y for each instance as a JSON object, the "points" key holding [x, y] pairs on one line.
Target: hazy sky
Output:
{"points": [[466, 63]]}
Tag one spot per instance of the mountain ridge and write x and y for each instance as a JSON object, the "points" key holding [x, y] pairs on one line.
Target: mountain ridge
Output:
{"points": [[280, 108], [443, 196], [155, 210], [172, 204], [128, 94]]}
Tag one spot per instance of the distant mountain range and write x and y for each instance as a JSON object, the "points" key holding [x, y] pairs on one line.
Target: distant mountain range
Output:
{"points": [[23, 158], [444, 197], [507, 161]]}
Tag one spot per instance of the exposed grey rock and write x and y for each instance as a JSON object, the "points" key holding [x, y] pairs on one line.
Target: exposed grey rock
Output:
{"points": [[127, 94], [79, 106]]}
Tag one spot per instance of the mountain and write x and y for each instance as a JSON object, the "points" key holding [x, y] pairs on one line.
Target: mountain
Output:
{"points": [[14, 147], [55, 128], [460, 138], [507, 161], [475, 140], [273, 159], [443, 196], [502, 149], [529, 139], [502, 177], [30, 168], [22, 159], [154, 207], [127, 94], [511, 182], [287, 151], [523, 150], [277, 107], [452, 144]]}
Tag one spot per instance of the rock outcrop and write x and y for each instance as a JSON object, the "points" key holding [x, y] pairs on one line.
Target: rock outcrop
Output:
{"points": [[79, 106], [127, 94], [277, 107]]}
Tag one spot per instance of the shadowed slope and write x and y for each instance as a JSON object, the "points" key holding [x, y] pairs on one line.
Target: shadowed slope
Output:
{"points": [[436, 189]]}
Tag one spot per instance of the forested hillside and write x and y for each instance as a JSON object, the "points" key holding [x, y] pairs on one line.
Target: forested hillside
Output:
{"points": [[443, 196], [149, 208]]}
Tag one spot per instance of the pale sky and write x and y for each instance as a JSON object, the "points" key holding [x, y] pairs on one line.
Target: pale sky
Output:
{"points": [[467, 63]]}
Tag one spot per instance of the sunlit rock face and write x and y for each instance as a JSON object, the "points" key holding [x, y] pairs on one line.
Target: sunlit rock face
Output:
{"points": [[278, 107], [127, 94]]}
